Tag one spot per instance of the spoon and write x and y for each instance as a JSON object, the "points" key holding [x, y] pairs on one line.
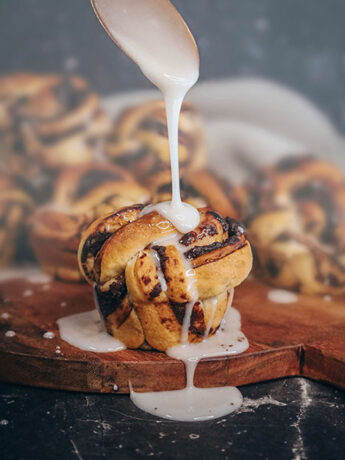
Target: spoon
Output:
{"points": [[154, 35]]}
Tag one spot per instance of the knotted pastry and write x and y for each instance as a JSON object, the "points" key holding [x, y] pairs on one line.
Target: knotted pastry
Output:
{"points": [[14, 90], [15, 207], [62, 123], [146, 274], [48, 122], [140, 142], [296, 224], [82, 193], [204, 188]]}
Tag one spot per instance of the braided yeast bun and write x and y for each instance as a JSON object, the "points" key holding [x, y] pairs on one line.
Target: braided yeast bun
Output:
{"points": [[296, 224], [17, 87], [82, 194], [140, 141], [204, 188], [62, 123], [142, 267], [15, 208]]}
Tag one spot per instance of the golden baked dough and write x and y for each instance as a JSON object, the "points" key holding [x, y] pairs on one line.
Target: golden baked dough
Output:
{"points": [[296, 224], [61, 124], [82, 193], [203, 188], [140, 142], [15, 207], [130, 259], [48, 122]]}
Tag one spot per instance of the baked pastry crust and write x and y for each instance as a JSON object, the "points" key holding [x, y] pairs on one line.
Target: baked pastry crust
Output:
{"points": [[15, 208], [47, 123], [140, 142], [124, 254], [296, 224], [82, 193]]}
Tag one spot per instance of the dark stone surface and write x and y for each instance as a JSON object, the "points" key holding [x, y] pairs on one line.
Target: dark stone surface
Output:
{"points": [[300, 43], [286, 419]]}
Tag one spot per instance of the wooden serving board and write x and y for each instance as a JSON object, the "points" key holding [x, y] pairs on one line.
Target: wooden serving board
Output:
{"points": [[304, 338]]}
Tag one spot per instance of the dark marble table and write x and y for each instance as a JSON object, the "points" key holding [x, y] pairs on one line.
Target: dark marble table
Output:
{"points": [[287, 419]]}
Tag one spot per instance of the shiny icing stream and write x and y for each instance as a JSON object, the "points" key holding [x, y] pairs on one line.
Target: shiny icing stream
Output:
{"points": [[196, 404], [155, 36]]}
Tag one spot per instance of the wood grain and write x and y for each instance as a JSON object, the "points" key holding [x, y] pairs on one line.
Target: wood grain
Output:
{"points": [[303, 338]]}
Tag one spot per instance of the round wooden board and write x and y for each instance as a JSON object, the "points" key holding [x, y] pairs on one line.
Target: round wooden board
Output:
{"points": [[303, 338]]}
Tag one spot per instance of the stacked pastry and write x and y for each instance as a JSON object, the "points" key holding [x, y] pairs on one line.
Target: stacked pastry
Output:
{"points": [[140, 266], [48, 122], [296, 224], [82, 193], [140, 142], [15, 208]]}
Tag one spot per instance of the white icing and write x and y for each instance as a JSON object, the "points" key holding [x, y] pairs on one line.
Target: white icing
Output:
{"points": [[48, 335], [191, 403], [282, 296], [86, 331], [182, 215], [5, 315], [10, 333], [160, 274], [27, 293], [155, 36], [190, 277], [327, 298]]}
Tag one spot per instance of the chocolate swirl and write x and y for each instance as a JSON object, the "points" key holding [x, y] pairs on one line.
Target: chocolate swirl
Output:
{"points": [[133, 265], [296, 222]]}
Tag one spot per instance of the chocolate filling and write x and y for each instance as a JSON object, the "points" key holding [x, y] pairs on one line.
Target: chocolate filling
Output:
{"points": [[219, 218], [198, 251], [292, 162], [92, 179], [93, 244], [110, 300], [162, 257], [156, 291], [179, 310], [68, 95], [323, 195], [128, 158], [191, 237]]}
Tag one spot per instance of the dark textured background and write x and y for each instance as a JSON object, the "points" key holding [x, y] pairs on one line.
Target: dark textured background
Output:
{"points": [[297, 42]]}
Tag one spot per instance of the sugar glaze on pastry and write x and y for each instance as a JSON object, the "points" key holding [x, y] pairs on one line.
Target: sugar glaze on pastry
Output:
{"points": [[155, 36], [116, 252]]}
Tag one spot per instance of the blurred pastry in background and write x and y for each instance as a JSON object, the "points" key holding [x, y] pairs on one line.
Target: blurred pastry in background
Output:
{"points": [[138, 265], [295, 217], [140, 144], [204, 188], [48, 122], [82, 194], [15, 208]]}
